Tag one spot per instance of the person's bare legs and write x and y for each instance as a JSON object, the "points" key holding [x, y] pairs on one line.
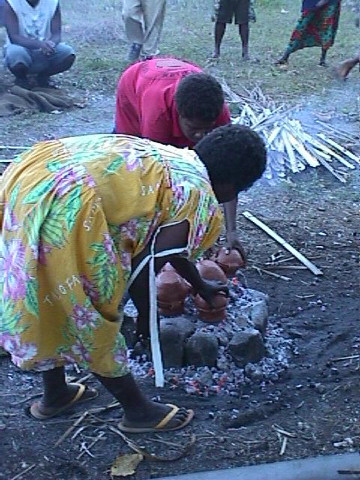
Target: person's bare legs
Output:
{"points": [[220, 29], [322, 62], [138, 410], [244, 35], [344, 68]]}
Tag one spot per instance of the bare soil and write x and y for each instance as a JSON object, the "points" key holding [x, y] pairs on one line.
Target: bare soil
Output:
{"points": [[317, 399]]}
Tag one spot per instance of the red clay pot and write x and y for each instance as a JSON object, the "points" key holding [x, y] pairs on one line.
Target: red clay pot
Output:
{"points": [[171, 292], [212, 315], [211, 271], [229, 263]]}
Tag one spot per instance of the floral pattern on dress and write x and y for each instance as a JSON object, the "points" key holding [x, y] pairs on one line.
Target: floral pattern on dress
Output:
{"points": [[67, 242]]}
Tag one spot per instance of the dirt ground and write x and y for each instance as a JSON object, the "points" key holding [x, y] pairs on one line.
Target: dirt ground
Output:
{"points": [[315, 402]]}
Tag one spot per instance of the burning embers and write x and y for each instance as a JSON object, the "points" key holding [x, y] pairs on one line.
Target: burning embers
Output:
{"points": [[210, 357]]}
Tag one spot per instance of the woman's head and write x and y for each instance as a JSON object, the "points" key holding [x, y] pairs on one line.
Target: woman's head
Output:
{"points": [[235, 157], [199, 100]]}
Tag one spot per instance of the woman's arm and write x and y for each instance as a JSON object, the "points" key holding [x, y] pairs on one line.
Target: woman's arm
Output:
{"points": [[171, 237]]}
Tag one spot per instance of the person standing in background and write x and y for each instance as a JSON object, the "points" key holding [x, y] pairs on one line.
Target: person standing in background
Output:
{"points": [[224, 12], [316, 27], [143, 20]]}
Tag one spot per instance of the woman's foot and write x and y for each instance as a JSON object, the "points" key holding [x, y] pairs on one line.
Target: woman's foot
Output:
{"points": [[282, 61], [344, 68], [158, 417], [74, 393]]}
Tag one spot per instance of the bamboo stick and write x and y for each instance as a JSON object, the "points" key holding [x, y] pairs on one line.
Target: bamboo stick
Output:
{"points": [[313, 268]]}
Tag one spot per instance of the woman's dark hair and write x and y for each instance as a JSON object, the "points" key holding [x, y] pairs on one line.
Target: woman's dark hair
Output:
{"points": [[199, 97], [233, 154]]}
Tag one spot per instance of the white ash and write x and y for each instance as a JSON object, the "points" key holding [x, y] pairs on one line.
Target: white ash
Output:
{"points": [[226, 377]]}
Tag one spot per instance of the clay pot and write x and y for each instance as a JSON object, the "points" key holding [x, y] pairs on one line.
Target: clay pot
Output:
{"points": [[171, 292], [212, 315], [211, 271], [229, 263]]}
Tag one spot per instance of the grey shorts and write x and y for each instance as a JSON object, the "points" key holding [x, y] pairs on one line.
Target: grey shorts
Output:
{"points": [[229, 9], [35, 60]]}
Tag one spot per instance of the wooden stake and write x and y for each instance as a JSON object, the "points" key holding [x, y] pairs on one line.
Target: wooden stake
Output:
{"points": [[313, 268], [24, 471]]}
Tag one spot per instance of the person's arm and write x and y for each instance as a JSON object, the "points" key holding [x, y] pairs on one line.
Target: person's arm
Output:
{"points": [[232, 239], [55, 27], [12, 29], [171, 237]]}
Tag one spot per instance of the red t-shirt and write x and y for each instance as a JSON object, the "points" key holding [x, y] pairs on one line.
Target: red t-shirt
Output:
{"points": [[145, 101]]}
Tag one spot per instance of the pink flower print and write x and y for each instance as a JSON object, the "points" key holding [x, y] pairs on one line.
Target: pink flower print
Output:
{"points": [[178, 193], [84, 317], [89, 288], [67, 177], [121, 356], [133, 161], [80, 350], [10, 221], [12, 269], [126, 261], [42, 251], [89, 181], [46, 364], [200, 232], [129, 229], [20, 352], [109, 248]]}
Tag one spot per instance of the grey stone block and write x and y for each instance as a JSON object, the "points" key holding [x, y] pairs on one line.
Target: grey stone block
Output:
{"points": [[247, 347], [259, 315], [173, 333], [201, 349]]}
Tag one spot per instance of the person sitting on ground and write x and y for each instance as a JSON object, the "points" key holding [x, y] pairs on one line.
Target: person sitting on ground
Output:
{"points": [[174, 102], [77, 216], [143, 21], [224, 12], [33, 44], [317, 27]]}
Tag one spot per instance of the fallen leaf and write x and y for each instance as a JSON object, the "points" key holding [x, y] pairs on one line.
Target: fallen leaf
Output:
{"points": [[125, 465]]}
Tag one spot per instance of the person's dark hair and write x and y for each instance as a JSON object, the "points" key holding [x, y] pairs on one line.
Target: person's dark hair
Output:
{"points": [[233, 154], [199, 97]]}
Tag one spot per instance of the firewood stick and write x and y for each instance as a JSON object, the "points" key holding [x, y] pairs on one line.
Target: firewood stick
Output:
{"points": [[313, 268]]}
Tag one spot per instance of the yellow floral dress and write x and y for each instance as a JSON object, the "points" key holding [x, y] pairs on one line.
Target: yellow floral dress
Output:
{"points": [[73, 214]]}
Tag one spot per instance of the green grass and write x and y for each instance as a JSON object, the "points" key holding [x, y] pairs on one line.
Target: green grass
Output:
{"points": [[95, 30]]}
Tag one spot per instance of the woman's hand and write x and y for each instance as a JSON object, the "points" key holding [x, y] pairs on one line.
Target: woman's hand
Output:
{"points": [[210, 288], [233, 243]]}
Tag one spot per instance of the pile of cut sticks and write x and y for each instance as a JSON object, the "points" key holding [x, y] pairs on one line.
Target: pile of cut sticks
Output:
{"points": [[292, 145]]}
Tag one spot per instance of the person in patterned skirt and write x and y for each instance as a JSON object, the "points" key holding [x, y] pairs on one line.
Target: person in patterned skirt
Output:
{"points": [[83, 220], [317, 27]]}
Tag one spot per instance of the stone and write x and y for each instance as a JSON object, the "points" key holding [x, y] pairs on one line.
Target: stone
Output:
{"points": [[201, 349], [256, 295], [253, 372], [247, 347], [242, 320], [259, 315], [173, 333]]}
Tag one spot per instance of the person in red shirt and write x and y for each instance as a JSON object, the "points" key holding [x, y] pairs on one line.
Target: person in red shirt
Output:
{"points": [[174, 102]]}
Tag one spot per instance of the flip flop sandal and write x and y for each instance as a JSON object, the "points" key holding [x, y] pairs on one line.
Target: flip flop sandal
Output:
{"points": [[162, 425], [84, 394]]}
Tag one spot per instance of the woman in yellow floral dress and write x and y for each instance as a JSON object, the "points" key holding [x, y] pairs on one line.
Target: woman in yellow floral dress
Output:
{"points": [[78, 216]]}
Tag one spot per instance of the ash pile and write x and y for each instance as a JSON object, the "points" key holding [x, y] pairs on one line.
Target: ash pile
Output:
{"points": [[295, 145], [206, 357]]}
